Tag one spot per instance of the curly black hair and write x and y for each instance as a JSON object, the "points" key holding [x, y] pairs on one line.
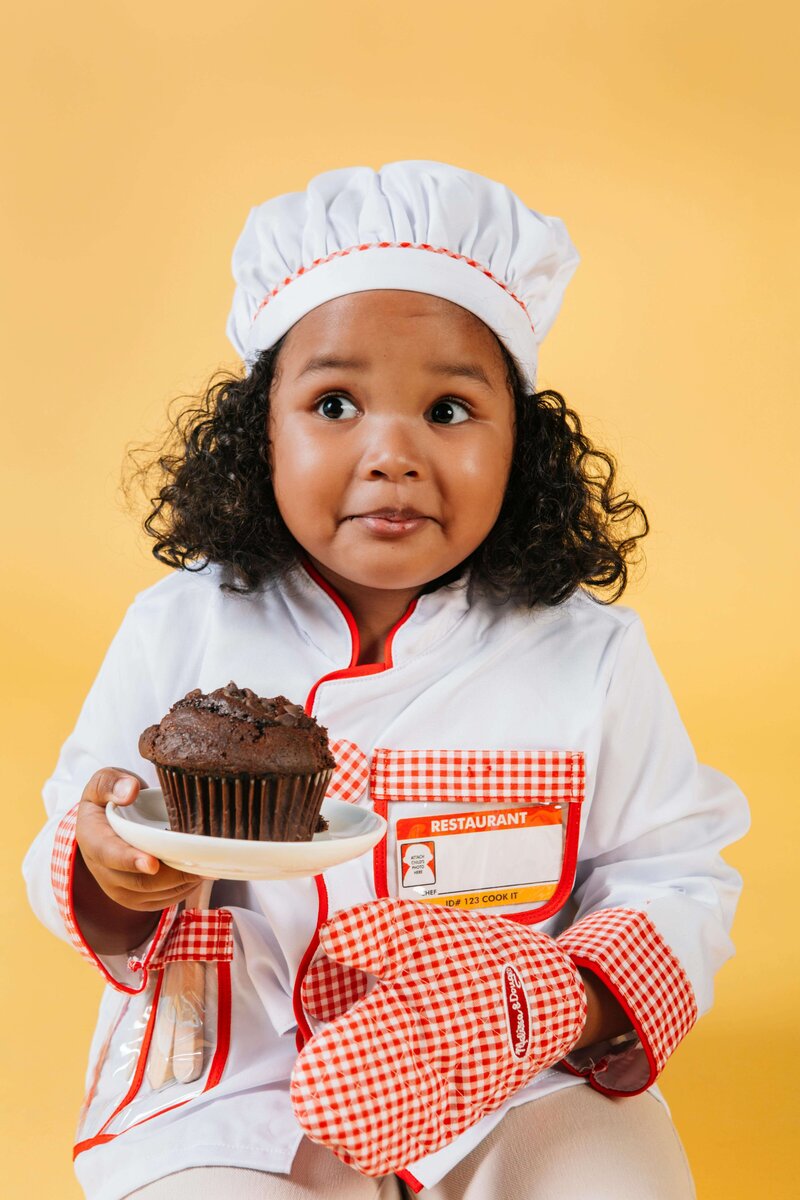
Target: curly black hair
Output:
{"points": [[561, 524]]}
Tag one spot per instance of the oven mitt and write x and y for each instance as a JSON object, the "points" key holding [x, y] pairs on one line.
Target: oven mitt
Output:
{"points": [[466, 1010]]}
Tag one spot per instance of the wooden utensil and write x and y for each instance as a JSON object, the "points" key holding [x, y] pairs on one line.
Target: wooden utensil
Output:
{"points": [[159, 1060], [189, 1005]]}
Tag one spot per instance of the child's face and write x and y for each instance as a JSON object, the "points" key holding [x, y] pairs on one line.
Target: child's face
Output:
{"points": [[397, 426]]}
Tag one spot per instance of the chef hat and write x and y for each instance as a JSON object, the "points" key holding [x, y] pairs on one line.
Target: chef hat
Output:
{"points": [[418, 226]]}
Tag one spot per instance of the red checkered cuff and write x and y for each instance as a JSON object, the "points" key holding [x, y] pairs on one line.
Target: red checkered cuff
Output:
{"points": [[198, 935], [62, 868], [623, 948]]}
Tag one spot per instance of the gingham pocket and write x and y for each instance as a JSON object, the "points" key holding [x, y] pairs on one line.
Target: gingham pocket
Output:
{"points": [[479, 829]]}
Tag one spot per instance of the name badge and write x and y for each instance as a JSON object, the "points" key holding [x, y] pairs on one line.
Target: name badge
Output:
{"points": [[483, 858]]}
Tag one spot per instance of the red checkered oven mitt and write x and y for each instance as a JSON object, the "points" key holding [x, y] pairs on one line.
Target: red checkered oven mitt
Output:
{"points": [[466, 1010]]}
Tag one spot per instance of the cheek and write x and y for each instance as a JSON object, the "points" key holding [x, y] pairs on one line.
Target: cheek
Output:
{"points": [[482, 471], [304, 476], [294, 455]]}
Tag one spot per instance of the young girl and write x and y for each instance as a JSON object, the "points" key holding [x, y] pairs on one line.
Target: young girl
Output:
{"points": [[384, 520]]}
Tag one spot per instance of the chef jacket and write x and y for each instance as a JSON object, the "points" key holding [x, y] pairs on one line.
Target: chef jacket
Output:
{"points": [[478, 707]]}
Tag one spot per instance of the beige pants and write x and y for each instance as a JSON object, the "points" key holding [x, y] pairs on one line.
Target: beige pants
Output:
{"points": [[575, 1144]]}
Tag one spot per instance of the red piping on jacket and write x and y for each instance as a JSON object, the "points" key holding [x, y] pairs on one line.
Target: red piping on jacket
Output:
{"points": [[409, 1180], [352, 671], [304, 1031]]}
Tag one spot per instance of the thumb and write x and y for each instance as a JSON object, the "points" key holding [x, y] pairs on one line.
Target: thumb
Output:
{"points": [[112, 784], [126, 788], [378, 937]]}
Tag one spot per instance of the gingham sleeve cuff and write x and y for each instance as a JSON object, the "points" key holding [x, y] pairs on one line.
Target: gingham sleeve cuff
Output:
{"points": [[623, 948], [62, 868]]}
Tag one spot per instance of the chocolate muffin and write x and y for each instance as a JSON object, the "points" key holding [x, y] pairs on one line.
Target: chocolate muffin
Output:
{"points": [[233, 764]]}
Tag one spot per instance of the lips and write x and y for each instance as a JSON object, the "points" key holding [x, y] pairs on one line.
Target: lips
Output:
{"points": [[391, 522], [393, 514]]}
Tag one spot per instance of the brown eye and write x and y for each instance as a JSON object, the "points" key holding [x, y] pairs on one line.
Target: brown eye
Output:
{"points": [[336, 408], [449, 412]]}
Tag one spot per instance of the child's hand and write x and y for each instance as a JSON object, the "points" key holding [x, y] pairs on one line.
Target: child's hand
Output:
{"points": [[128, 876]]}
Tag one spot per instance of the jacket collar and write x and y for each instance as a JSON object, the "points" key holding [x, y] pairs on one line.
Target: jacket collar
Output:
{"points": [[323, 619]]}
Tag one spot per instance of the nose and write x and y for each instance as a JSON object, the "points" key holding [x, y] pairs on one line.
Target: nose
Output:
{"points": [[392, 451]]}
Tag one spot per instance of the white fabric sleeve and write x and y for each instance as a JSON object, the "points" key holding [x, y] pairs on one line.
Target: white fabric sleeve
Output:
{"points": [[658, 821], [655, 900], [118, 707]]}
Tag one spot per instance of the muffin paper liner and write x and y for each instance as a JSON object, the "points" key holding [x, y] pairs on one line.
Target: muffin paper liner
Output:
{"points": [[267, 808]]}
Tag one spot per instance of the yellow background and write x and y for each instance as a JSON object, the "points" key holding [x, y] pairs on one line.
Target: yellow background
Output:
{"points": [[136, 138]]}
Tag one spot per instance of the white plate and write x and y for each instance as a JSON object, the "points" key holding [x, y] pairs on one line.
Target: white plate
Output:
{"points": [[351, 832]]}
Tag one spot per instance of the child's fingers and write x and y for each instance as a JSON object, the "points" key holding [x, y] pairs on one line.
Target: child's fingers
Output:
{"points": [[129, 876], [166, 879], [128, 867], [100, 845], [135, 889], [131, 892], [96, 838], [113, 784]]}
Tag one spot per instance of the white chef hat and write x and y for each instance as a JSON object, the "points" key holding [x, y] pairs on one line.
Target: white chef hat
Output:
{"points": [[416, 225]]}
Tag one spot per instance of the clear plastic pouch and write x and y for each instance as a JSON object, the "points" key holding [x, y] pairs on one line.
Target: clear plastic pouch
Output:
{"points": [[163, 1046], [479, 829]]}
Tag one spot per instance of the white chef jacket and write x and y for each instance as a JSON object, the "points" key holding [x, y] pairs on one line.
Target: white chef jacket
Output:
{"points": [[461, 673]]}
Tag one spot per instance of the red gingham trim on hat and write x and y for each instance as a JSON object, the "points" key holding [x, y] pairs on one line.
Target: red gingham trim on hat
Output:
{"points": [[330, 988], [544, 776], [198, 935], [62, 867], [318, 262], [351, 774], [627, 953]]}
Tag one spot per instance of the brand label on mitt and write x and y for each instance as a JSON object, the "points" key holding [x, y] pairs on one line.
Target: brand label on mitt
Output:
{"points": [[517, 1013]]}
